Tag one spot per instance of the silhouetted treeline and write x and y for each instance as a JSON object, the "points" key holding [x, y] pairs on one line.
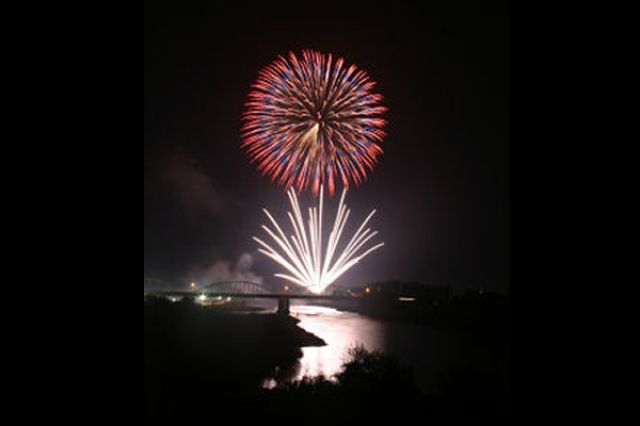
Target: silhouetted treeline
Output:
{"points": [[374, 387], [475, 311], [433, 293]]}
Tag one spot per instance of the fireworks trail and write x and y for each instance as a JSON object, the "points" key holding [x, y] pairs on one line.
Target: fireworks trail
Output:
{"points": [[309, 263], [313, 121]]}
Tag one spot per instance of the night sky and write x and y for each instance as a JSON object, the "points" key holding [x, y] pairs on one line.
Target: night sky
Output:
{"points": [[441, 187]]}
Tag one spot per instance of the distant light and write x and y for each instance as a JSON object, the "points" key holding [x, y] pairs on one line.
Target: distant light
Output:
{"points": [[286, 288], [202, 297], [228, 299], [269, 384], [406, 299], [367, 290], [192, 285]]}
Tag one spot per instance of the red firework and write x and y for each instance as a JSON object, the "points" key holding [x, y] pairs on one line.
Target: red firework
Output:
{"points": [[313, 120]]}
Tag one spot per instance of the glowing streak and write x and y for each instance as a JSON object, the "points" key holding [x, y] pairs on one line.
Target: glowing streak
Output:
{"points": [[310, 264]]}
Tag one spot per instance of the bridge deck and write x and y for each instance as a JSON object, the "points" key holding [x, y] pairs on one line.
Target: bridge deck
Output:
{"points": [[250, 296]]}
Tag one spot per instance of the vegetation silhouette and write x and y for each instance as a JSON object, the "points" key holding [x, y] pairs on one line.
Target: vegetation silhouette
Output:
{"points": [[201, 363]]}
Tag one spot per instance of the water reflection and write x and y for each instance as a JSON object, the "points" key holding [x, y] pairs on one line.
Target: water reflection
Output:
{"points": [[341, 330], [426, 350]]}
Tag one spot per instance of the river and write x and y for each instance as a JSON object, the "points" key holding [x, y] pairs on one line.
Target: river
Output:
{"points": [[427, 350]]}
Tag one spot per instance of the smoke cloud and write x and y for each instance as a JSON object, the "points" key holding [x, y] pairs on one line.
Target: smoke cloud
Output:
{"points": [[224, 270], [193, 188]]}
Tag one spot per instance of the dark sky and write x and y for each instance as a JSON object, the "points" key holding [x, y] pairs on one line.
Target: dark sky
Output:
{"points": [[441, 188]]}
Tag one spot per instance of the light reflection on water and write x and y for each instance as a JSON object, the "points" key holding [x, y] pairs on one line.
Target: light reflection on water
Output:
{"points": [[426, 350], [341, 331]]}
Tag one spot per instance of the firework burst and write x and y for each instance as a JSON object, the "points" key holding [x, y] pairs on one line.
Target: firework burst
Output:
{"points": [[309, 263], [313, 121]]}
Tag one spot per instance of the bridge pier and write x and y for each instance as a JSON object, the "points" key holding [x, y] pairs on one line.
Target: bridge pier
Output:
{"points": [[283, 306]]}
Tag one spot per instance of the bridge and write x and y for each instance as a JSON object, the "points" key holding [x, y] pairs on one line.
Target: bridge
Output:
{"points": [[252, 290]]}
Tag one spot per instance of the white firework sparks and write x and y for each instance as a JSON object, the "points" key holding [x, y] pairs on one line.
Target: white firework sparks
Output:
{"points": [[309, 263]]}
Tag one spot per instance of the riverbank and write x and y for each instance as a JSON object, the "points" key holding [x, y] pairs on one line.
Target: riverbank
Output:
{"points": [[203, 362], [194, 355]]}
